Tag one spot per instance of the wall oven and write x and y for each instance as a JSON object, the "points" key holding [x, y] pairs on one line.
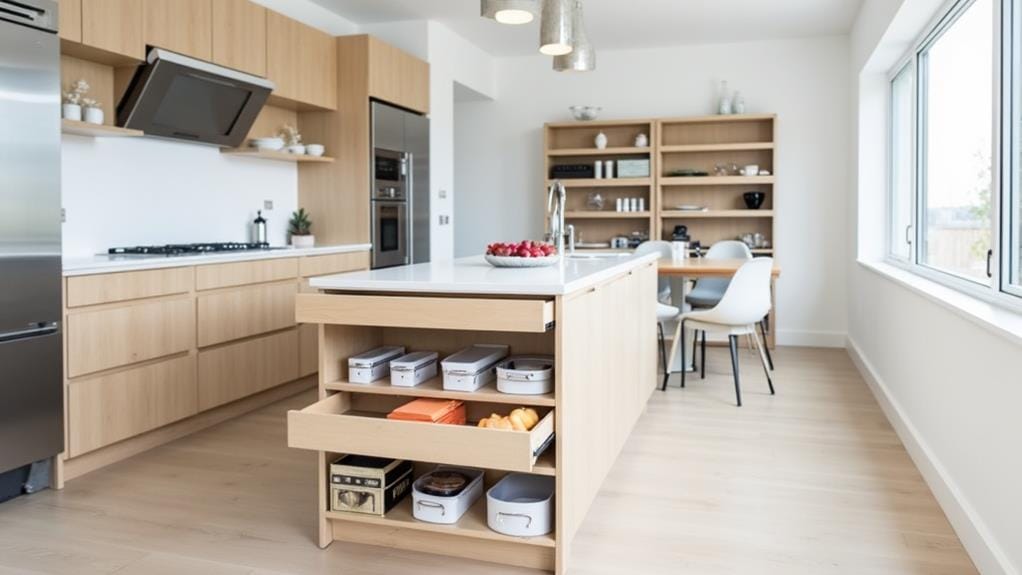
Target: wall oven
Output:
{"points": [[390, 233]]}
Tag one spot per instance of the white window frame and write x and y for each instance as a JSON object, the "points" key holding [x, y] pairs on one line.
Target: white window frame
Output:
{"points": [[1010, 236], [905, 64], [1007, 75]]}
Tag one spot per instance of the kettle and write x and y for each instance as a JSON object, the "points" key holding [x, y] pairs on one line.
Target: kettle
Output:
{"points": [[259, 229]]}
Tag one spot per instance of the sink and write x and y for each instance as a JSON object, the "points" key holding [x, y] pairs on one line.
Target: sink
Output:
{"points": [[599, 255]]}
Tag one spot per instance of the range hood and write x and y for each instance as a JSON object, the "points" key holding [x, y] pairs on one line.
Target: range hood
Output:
{"points": [[174, 96]]}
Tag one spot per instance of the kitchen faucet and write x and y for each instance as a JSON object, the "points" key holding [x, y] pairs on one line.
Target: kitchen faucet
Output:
{"points": [[555, 215]]}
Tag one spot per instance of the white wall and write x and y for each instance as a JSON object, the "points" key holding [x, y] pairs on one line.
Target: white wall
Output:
{"points": [[499, 150], [950, 386]]}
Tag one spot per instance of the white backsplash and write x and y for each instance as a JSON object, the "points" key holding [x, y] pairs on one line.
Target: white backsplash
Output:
{"points": [[129, 191]]}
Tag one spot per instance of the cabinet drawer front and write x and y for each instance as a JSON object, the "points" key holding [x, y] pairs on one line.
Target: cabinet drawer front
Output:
{"points": [[243, 273], [109, 408], [235, 371], [113, 337], [333, 264], [106, 288], [225, 316], [327, 426], [427, 312]]}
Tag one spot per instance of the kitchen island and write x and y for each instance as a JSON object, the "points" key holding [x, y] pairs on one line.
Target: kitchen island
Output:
{"points": [[595, 316]]}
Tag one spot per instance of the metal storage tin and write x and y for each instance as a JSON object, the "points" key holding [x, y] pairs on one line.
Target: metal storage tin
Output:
{"points": [[526, 375], [372, 365], [472, 367], [521, 505], [412, 369], [447, 510]]}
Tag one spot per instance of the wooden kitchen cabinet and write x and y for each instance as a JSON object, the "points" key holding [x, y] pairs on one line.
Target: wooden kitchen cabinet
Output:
{"points": [[302, 62], [234, 314], [182, 26], [113, 26], [230, 372], [70, 20], [239, 36], [397, 77]]}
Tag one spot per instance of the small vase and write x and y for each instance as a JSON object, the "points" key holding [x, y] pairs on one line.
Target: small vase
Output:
{"points": [[642, 141], [72, 112], [739, 103], [601, 141], [725, 105], [307, 241], [94, 115]]}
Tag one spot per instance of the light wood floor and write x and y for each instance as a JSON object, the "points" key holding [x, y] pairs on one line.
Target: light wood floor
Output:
{"points": [[812, 481]]}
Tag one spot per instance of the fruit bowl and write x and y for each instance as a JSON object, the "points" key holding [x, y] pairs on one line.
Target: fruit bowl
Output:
{"points": [[520, 262]]}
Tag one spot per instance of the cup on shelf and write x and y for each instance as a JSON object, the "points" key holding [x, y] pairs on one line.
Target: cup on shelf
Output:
{"points": [[751, 170]]}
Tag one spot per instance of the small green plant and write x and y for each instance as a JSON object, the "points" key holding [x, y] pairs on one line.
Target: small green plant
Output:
{"points": [[300, 224]]}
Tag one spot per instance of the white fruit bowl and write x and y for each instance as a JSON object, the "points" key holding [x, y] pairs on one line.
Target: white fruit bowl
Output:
{"points": [[519, 262]]}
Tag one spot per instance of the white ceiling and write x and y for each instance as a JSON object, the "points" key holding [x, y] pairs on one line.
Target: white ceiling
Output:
{"points": [[623, 24]]}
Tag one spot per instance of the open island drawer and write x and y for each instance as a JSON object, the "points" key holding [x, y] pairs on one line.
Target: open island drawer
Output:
{"points": [[331, 425], [437, 312]]}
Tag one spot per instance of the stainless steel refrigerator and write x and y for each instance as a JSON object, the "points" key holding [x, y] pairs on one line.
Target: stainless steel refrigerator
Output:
{"points": [[31, 404], [399, 196]]}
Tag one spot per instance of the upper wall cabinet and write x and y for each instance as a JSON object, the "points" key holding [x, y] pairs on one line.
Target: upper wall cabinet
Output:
{"points": [[239, 37], [398, 77], [106, 31], [70, 21], [182, 26], [302, 62]]}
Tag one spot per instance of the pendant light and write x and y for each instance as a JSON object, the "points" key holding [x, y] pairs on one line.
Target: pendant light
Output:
{"points": [[583, 56], [510, 11], [555, 33]]}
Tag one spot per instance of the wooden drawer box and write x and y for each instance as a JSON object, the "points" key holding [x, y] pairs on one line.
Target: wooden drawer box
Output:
{"points": [[328, 425], [427, 312], [112, 337], [230, 315], [106, 409], [107, 288], [244, 273], [333, 264], [237, 370]]}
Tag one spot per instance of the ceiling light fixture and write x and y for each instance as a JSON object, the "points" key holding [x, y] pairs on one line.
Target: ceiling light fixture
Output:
{"points": [[583, 56], [555, 33], [510, 11]]}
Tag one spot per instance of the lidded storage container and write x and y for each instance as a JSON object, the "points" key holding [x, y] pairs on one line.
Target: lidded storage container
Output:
{"points": [[444, 495], [521, 505], [526, 375], [414, 368], [372, 365], [472, 367]]}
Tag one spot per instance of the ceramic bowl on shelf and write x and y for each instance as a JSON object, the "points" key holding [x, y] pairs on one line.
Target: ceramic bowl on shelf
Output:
{"points": [[520, 262], [297, 149], [585, 113], [272, 144], [754, 200], [314, 149]]}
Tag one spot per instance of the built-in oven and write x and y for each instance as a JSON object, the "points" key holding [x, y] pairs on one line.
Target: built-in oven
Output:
{"points": [[390, 175], [390, 233]]}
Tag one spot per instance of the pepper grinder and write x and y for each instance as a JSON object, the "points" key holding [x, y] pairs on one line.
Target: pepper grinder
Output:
{"points": [[259, 228]]}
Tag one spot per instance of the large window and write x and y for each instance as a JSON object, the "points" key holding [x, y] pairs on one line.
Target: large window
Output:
{"points": [[955, 102]]}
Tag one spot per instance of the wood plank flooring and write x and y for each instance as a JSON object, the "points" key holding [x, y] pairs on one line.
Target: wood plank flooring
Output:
{"points": [[812, 481]]}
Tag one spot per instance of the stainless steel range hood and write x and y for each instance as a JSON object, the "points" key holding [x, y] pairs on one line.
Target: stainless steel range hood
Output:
{"points": [[174, 96]]}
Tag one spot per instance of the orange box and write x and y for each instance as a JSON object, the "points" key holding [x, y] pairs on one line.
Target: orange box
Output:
{"points": [[426, 410]]}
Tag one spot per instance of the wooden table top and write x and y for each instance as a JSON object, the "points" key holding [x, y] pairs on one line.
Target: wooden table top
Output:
{"points": [[703, 267]]}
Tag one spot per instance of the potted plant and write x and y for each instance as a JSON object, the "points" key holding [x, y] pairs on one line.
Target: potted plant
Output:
{"points": [[72, 106], [93, 114], [300, 229]]}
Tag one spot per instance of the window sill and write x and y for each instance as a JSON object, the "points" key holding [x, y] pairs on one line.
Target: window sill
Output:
{"points": [[1001, 321]]}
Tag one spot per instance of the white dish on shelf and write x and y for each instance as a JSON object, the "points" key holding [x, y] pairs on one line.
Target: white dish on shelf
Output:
{"points": [[270, 144], [520, 262], [691, 208], [314, 149], [297, 149]]}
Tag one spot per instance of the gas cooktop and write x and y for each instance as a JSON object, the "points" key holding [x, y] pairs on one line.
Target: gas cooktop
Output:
{"points": [[188, 249]]}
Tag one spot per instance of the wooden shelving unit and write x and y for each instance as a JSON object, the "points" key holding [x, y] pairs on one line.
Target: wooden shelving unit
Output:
{"points": [[278, 156], [434, 388], [97, 130]]}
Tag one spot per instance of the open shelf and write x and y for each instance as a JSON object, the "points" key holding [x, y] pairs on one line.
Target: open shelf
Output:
{"points": [[97, 130], [599, 152], [719, 119], [472, 524], [606, 215], [434, 388], [676, 214], [604, 183], [716, 180], [270, 155], [740, 147]]}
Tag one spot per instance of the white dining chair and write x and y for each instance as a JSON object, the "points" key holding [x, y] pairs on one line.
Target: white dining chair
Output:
{"points": [[664, 311], [744, 304]]}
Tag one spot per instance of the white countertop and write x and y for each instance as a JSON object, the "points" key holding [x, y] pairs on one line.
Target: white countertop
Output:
{"points": [[473, 275], [101, 264]]}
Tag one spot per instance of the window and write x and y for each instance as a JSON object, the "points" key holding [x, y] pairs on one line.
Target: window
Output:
{"points": [[955, 151]]}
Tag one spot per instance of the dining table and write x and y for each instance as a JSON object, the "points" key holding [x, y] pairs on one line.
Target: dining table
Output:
{"points": [[681, 273]]}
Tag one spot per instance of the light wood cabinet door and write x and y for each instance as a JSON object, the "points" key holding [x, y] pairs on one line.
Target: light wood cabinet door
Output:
{"points": [[234, 371], [310, 266], [398, 77], [415, 84], [301, 61], [229, 315], [245, 273], [123, 286], [114, 26], [182, 26], [106, 409], [239, 35], [70, 20], [115, 336]]}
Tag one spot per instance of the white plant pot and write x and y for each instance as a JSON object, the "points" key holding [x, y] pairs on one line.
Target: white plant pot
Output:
{"points": [[71, 112], [303, 241], [94, 115]]}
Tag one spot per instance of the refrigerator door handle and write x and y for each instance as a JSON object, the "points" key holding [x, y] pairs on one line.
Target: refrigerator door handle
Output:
{"points": [[40, 329]]}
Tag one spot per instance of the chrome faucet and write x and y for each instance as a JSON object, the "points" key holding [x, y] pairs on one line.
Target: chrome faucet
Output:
{"points": [[555, 207]]}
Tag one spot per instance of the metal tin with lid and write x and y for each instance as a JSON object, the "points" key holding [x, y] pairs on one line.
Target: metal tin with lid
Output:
{"points": [[414, 368], [526, 375], [472, 367], [372, 365]]}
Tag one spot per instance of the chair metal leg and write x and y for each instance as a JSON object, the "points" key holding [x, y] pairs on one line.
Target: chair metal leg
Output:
{"points": [[702, 361], [682, 347], [733, 340], [766, 349], [663, 355], [695, 348], [761, 346]]}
